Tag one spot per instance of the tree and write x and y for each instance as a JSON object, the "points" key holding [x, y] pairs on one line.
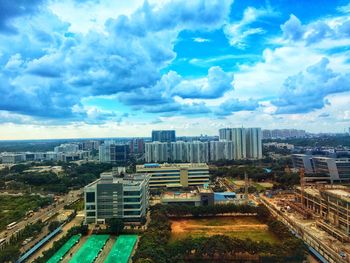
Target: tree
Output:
{"points": [[53, 225], [115, 225]]}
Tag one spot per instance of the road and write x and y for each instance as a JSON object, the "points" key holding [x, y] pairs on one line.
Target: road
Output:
{"points": [[43, 213]]}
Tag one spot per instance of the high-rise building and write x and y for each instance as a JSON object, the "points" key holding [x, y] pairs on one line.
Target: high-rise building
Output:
{"points": [[113, 153], [179, 151], [198, 152], [157, 152], [163, 136], [254, 143], [246, 142], [221, 150], [137, 146], [111, 196], [172, 175], [239, 143]]}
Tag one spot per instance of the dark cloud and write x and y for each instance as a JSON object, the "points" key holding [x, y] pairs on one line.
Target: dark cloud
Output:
{"points": [[10, 9]]}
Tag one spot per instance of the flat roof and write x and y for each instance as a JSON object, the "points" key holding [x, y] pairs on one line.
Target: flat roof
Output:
{"points": [[170, 165]]}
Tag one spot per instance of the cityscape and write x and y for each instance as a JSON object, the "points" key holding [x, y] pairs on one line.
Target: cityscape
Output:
{"points": [[174, 131]]}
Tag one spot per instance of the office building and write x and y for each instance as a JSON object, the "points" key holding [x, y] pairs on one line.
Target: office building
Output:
{"points": [[163, 136], [137, 146], [116, 197], [12, 158], [254, 143], [114, 153], [175, 175], [323, 168], [67, 147]]}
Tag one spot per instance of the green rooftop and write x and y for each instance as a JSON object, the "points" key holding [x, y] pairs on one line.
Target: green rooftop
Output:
{"points": [[57, 257], [122, 249], [90, 249]]}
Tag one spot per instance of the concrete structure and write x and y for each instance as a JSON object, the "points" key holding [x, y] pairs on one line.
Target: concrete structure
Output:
{"points": [[116, 197], [283, 134], [197, 197], [137, 146], [12, 157], [113, 153], [221, 150], [157, 152], [246, 142], [180, 174], [323, 168], [163, 136], [195, 152], [254, 145], [67, 147], [330, 203]]}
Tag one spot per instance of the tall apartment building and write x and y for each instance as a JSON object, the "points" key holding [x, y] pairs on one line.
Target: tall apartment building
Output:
{"points": [[163, 136], [323, 168], [181, 174], [113, 153], [221, 150], [195, 152], [157, 152], [246, 142], [254, 145], [115, 197]]}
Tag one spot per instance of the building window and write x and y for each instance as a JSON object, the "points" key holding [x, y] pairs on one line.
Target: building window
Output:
{"points": [[90, 214], [90, 197]]}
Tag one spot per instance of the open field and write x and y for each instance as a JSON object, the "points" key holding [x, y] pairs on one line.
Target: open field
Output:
{"points": [[14, 208], [239, 226]]}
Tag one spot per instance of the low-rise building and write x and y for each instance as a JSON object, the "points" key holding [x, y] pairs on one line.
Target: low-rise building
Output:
{"points": [[113, 196], [179, 174]]}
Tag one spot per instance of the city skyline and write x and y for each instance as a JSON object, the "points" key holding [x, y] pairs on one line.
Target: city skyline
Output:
{"points": [[87, 69]]}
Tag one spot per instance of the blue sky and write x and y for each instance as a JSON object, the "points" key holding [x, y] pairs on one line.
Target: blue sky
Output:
{"points": [[99, 68]]}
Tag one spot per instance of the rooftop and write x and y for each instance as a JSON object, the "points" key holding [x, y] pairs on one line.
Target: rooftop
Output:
{"points": [[171, 165]]}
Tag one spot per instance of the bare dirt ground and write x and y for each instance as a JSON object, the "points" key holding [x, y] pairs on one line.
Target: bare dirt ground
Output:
{"points": [[239, 227]]}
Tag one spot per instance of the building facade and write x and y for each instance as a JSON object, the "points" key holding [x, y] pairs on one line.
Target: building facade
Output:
{"points": [[116, 197], [323, 168], [163, 136], [254, 143], [113, 153], [171, 175]]}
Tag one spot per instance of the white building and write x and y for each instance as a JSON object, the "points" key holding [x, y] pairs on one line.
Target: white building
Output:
{"points": [[67, 147], [254, 143], [221, 150]]}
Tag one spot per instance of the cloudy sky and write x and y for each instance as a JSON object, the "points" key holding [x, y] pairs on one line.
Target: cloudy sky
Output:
{"points": [[103, 68]]}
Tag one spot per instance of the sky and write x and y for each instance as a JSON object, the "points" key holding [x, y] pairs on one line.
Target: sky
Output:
{"points": [[104, 68]]}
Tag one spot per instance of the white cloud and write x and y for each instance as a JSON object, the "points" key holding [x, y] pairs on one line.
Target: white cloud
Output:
{"points": [[237, 32], [200, 39]]}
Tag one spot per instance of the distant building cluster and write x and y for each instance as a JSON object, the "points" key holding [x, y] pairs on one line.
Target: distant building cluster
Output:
{"points": [[233, 144], [322, 167], [65, 152], [283, 134]]}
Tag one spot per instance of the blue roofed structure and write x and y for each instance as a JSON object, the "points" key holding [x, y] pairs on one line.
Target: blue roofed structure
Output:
{"points": [[224, 196], [150, 165]]}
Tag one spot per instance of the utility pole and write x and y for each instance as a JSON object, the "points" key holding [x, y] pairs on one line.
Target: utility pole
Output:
{"points": [[246, 182]]}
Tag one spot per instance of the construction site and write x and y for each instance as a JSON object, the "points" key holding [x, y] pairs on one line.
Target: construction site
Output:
{"points": [[318, 213]]}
